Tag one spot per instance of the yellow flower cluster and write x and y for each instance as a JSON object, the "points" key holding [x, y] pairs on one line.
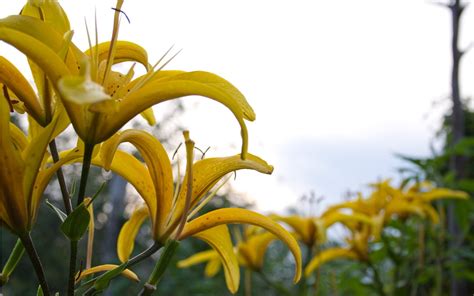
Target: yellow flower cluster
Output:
{"points": [[80, 88]]}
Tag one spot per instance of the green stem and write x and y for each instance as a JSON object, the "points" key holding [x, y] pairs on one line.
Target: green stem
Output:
{"points": [[72, 268], [135, 260], [62, 182], [86, 164], [280, 289], [12, 262], [35, 260], [160, 267], [376, 277]]}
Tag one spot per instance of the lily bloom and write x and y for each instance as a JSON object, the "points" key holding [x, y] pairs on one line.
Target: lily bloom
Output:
{"points": [[312, 230], [22, 169], [171, 210], [100, 101]]}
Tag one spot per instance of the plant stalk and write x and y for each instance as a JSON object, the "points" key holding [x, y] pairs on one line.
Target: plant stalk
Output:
{"points": [[35, 260], [62, 182]]}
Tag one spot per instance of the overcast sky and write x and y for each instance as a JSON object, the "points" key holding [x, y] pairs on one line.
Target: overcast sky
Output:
{"points": [[338, 86]]}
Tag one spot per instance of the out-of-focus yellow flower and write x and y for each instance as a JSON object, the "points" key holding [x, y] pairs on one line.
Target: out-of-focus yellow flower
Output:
{"points": [[312, 230]]}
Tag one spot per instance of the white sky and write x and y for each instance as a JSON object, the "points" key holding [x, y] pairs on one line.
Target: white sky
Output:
{"points": [[338, 86]]}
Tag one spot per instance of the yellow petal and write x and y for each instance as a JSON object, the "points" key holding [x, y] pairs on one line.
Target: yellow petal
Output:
{"points": [[81, 89], [35, 154], [254, 248], [346, 219], [17, 83], [128, 233], [303, 226], [125, 51], [198, 258], [176, 86], [106, 267], [149, 116], [18, 137], [213, 267], [443, 193], [48, 11], [328, 255], [235, 215], [159, 168], [12, 169], [37, 41], [207, 172], [219, 239]]}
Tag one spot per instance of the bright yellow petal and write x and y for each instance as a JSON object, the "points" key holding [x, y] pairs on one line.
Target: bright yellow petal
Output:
{"points": [[126, 238], [15, 81], [207, 172], [328, 255], [443, 193], [12, 170], [219, 239], [182, 85], [125, 51], [235, 215], [213, 267], [303, 226], [159, 167], [198, 258], [18, 137], [106, 267]]}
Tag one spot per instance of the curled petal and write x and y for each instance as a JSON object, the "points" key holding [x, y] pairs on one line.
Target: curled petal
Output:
{"points": [[159, 168], [219, 239], [128, 233], [17, 83], [127, 273], [328, 255], [235, 215], [125, 51], [207, 172]]}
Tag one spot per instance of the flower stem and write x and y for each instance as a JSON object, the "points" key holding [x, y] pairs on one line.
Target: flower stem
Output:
{"points": [[86, 164], [145, 254], [35, 260], [72, 268], [160, 267], [135, 260], [62, 182]]}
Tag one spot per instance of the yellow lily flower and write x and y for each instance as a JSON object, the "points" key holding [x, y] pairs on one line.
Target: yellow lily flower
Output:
{"points": [[170, 209], [357, 250], [22, 164], [312, 230], [250, 254], [112, 98]]}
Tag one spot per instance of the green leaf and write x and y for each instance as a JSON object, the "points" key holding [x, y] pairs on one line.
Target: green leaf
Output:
{"points": [[61, 215], [75, 225], [103, 281]]}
